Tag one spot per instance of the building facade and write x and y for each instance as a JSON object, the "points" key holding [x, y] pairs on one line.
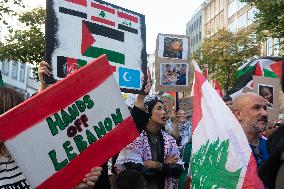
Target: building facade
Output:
{"points": [[215, 16], [232, 15], [194, 29], [17, 75]]}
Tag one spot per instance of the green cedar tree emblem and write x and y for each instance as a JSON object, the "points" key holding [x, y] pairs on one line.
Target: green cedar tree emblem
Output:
{"points": [[102, 14], [208, 167]]}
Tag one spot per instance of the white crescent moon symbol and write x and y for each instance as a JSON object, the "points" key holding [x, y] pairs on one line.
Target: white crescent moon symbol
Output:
{"points": [[124, 77]]}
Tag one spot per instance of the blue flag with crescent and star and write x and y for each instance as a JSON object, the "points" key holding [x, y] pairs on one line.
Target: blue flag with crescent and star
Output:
{"points": [[129, 78]]}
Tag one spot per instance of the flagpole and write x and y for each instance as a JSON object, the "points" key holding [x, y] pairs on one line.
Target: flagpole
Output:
{"points": [[177, 102]]}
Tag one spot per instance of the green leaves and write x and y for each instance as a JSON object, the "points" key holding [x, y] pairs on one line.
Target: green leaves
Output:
{"points": [[208, 167], [224, 53], [26, 45], [270, 18]]}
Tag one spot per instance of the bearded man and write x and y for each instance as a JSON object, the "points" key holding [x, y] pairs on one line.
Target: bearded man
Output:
{"points": [[250, 110]]}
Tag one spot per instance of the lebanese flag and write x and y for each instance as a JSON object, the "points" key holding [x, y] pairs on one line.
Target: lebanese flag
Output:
{"points": [[104, 14], [221, 155], [218, 88]]}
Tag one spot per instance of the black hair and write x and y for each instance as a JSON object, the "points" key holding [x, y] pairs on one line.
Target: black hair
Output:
{"points": [[150, 102], [227, 98]]}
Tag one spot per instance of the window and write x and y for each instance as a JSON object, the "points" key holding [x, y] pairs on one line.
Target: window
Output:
{"points": [[196, 38], [199, 36], [251, 15], [14, 70], [233, 26], [217, 7], [241, 5], [221, 20], [5, 67], [217, 22], [269, 47], [212, 10], [208, 14], [194, 25], [233, 8], [200, 20], [221, 5], [276, 47], [22, 72], [242, 21]]}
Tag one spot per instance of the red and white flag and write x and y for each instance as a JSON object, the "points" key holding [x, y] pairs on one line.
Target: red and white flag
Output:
{"points": [[221, 155], [58, 135], [218, 88]]}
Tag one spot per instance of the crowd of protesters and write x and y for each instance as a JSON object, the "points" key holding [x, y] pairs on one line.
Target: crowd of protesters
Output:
{"points": [[159, 158]]}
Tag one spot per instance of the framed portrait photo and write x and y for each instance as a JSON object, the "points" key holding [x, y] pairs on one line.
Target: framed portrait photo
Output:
{"points": [[173, 74], [267, 92], [172, 46]]}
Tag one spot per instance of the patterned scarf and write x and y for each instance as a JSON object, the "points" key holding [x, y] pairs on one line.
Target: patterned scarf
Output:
{"points": [[185, 133], [139, 151]]}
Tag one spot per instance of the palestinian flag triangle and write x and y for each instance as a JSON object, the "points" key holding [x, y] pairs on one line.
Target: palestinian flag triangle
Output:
{"points": [[266, 67], [221, 155], [93, 35]]}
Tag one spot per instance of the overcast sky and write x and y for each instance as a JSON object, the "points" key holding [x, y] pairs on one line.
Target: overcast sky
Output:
{"points": [[162, 16]]}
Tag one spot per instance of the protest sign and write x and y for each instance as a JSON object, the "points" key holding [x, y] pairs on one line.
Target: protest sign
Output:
{"points": [[171, 63], [78, 31], [269, 89], [58, 135]]}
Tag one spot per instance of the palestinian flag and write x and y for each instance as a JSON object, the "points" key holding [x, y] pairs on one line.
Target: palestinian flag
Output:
{"points": [[221, 155], [218, 88], [266, 67], [1, 80]]}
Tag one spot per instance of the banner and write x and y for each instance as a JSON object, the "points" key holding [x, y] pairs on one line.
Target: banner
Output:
{"points": [[58, 135], [172, 63]]}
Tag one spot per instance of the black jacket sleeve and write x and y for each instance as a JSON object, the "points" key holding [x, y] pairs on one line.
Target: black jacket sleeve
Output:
{"points": [[172, 170], [140, 118]]}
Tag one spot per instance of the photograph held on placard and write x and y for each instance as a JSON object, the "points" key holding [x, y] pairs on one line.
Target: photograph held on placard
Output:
{"points": [[267, 92]]}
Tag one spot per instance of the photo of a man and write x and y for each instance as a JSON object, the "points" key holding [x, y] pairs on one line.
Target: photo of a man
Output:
{"points": [[172, 74], [267, 92]]}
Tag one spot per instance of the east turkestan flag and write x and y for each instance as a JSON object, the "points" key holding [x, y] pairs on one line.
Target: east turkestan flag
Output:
{"points": [[221, 155], [265, 66]]}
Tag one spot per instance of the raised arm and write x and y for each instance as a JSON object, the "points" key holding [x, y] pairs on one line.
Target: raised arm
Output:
{"points": [[42, 71]]}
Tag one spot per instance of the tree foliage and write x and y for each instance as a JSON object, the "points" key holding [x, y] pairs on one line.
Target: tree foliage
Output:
{"points": [[26, 45], [8, 7], [270, 18], [224, 53]]}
